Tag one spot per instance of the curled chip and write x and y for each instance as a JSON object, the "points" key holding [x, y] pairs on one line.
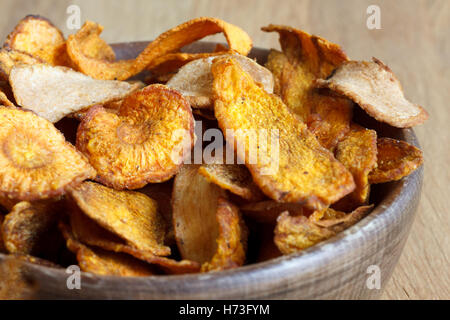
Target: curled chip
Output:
{"points": [[304, 59], [293, 234], [232, 240], [102, 262], [27, 228], [130, 215], [145, 142], [396, 159], [194, 80], [35, 160], [300, 170], [10, 58], [55, 92], [38, 37], [358, 153], [195, 202], [168, 42], [377, 90], [267, 211], [88, 232]]}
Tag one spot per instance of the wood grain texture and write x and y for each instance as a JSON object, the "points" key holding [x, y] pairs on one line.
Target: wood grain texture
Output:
{"points": [[414, 41]]}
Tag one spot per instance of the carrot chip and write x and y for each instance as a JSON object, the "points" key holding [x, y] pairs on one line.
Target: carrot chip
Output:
{"points": [[306, 171], [194, 80], [168, 42], [55, 92], [377, 90], [35, 160], [294, 234], [396, 159], [304, 59], [145, 142]]}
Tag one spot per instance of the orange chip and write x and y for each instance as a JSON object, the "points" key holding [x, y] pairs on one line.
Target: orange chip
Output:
{"points": [[168, 42], [377, 90], [396, 159], [194, 80], [144, 143], [35, 161], [305, 58], [27, 228], [358, 153], [102, 262], [10, 58], [294, 234], [131, 215], [300, 170], [38, 37], [267, 211], [195, 203], [232, 240], [88, 232]]}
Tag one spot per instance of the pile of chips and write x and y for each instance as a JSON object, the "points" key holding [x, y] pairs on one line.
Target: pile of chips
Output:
{"points": [[96, 169]]}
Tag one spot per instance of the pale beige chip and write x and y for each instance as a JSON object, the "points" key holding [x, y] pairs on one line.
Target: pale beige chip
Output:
{"points": [[377, 90], [55, 92], [130, 215], [194, 80]]}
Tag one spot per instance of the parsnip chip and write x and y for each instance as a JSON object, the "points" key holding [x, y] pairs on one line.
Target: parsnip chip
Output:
{"points": [[167, 42], [195, 202], [35, 160], [232, 240], [55, 92], [294, 234], [27, 227], [267, 211], [300, 170], [131, 215], [358, 153], [194, 80], [377, 90], [233, 177], [144, 143], [102, 262], [305, 58], [88, 232], [10, 58], [38, 37], [396, 159]]}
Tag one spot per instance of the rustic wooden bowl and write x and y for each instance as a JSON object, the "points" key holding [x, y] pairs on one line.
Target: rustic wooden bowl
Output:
{"points": [[334, 269]]}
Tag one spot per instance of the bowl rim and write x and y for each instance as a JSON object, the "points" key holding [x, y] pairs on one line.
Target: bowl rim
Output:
{"points": [[303, 261]]}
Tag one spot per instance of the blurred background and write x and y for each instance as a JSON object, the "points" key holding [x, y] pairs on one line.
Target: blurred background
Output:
{"points": [[413, 40]]}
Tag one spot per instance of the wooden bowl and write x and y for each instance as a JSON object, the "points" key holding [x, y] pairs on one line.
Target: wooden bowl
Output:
{"points": [[334, 269]]}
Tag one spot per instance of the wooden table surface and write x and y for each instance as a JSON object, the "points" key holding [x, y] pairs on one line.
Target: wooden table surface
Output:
{"points": [[413, 40]]}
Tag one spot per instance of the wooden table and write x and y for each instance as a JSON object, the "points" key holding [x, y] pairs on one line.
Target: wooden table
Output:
{"points": [[413, 40]]}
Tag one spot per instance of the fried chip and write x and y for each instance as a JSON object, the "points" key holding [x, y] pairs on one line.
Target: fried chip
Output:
{"points": [[4, 101], [194, 80], [294, 234], [10, 58], [35, 160], [103, 262], [55, 92], [232, 240], [168, 42], [358, 153], [396, 159], [88, 232], [38, 37], [144, 143], [306, 171], [377, 90], [305, 58], [27, 227], [195, 202], [130, 215], [267, 211]]}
